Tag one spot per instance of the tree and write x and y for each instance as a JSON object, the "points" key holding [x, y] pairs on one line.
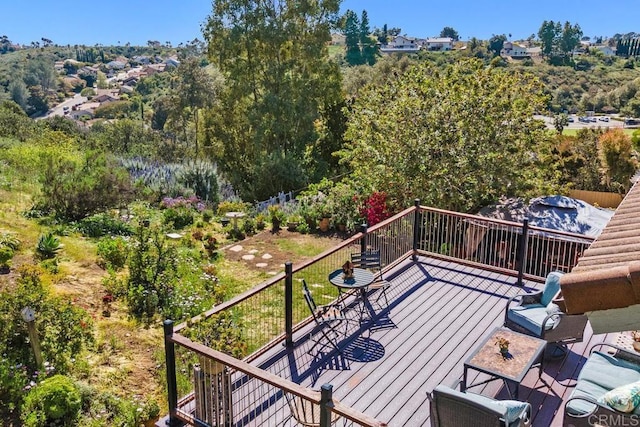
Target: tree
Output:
{"points": [[274, 58], [40, 72], [616, 159], [559, 122], [353, 55], [456, 137], [19, 93], [194, 89], [496, 42], [548, 34], [450, 32], [102, 82], [382, 35], [570, 37], [368, 45]]}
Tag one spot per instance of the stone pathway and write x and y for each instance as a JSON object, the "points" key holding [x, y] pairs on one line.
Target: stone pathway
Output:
{"points": [[251, 255]]}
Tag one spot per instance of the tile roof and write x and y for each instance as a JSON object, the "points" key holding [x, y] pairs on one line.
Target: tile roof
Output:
{"points": [[607, 275]]}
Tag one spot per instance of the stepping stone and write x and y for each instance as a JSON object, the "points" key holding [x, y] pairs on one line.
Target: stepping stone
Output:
{"points": [[272, 273], [261, 264], [253, 251], [236, 248], [174, 236], [248, 257], [267, 256]]}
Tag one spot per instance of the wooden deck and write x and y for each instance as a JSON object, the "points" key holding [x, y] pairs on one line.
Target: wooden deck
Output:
{"points": [[438, 313]]}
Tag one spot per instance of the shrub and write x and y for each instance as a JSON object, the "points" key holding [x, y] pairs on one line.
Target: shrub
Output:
{"points": [[54, 400], [231, 206], [260, 222], [74, 191], [249, 226], [112, 253], [180, 217], [152, 270], [202, 178], [207, 215], [276, 216], [6, 253], [103, 224], [9, 240], [375, 208]]}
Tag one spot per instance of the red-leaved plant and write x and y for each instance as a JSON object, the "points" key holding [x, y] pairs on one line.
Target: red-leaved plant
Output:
{"points": [[375, 208]]}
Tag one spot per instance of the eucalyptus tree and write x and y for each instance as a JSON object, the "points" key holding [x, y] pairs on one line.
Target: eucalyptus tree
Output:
{"points": [[274, 58], [457, 137]]}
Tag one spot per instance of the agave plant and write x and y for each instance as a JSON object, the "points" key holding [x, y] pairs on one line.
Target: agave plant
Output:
{"points": [[48, 246]]}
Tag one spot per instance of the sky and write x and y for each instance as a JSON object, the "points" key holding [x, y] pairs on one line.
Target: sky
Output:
{"points": [[110, 22]]}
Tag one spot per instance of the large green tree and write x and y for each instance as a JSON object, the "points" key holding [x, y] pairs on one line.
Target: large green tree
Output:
{"points": [[457, 137], [195, 88], [353, 54], [274, 58], [549, 34], [450, 32]]}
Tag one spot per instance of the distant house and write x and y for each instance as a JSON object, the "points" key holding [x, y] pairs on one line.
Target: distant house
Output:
{"points": [[88, 71], [401, 44], [58, 66], [130, 81], [116, 65], [79, 114], [172, 61], [126, 89], [104, 99], [440, 44], [152, 69], [534, 51], [513, 50], [606, 50], [141, 59]]}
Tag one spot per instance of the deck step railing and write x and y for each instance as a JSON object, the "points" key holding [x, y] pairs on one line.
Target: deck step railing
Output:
{"points": [[237, 393]]}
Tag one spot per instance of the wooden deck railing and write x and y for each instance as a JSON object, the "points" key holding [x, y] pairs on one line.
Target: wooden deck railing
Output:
{"points": [[270, 313]]}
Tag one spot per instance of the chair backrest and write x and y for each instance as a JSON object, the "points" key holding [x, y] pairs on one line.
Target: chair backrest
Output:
{"points": [[551, 287], [369, 260], [305, 412], [313, 307], [452, 408]]}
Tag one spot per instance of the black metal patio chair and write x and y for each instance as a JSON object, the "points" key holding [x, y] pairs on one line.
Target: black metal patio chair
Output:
{"points": [[370, 260], [328, 319]]}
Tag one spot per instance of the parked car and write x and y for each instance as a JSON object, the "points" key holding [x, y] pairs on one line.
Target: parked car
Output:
{"points": [[604, 119]]}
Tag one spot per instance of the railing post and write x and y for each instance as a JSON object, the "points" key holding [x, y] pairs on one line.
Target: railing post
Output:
{"points": [[288, 303], [363, 241], [172, 383], [416, 229], [522, 250], [326, 399]]}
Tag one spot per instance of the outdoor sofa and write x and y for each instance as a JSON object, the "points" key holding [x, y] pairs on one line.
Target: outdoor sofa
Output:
{"points": [[606, 381]]}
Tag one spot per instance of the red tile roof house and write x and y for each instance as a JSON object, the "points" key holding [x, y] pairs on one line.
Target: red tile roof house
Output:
{"points": [[443, 300]]}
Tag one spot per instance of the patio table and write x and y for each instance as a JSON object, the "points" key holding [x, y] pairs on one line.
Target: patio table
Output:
{"points": [[525, 352], [360, 280]]}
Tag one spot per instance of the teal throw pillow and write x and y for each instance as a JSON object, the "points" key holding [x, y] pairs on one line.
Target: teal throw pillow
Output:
{"points": [[624, 398], [515, 409]]}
